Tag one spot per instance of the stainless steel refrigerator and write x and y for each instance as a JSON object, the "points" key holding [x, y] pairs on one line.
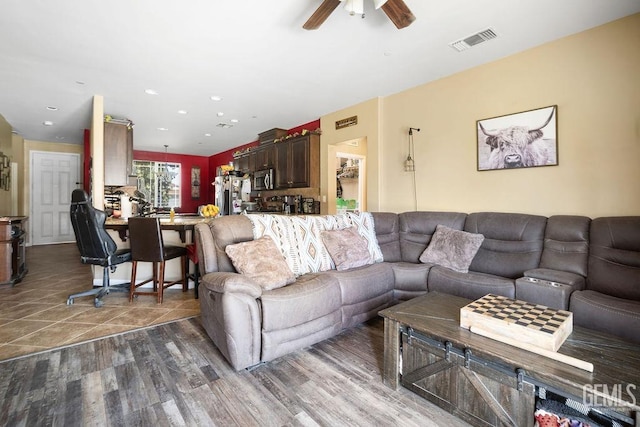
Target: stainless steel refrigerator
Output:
{"points": [[228, 194]]}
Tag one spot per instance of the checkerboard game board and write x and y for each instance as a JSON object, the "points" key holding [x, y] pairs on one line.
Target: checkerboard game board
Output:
{"points": [[532, 323]]}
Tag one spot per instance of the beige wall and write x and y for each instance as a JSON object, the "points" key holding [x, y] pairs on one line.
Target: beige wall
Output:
{"points": [[367, 129], [591, 76]]}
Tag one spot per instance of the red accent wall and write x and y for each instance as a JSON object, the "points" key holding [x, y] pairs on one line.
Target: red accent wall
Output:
{"points": [[187, 204], [208, 166]]}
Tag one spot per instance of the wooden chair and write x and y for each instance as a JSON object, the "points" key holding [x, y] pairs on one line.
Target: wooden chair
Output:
{"points": [[147, 245]]}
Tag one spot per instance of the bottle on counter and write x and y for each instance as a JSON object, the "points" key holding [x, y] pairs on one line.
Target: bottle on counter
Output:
{"points": [[172, 214]]}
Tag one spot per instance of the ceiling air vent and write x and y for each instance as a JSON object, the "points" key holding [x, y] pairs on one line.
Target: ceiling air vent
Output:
{"points": [[224, 125], [474, 39]]}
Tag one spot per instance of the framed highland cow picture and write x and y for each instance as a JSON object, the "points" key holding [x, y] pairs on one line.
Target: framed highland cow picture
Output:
{"points": [[520, 140]]}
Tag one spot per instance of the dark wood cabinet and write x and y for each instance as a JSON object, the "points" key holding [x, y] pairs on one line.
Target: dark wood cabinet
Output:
{"points": [[297, 162], [13, 266], [243, 162], [118, 154], [264, 157]]}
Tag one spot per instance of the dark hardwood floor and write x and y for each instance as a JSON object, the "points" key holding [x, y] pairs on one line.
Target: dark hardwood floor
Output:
{"points": [[172, 374]]}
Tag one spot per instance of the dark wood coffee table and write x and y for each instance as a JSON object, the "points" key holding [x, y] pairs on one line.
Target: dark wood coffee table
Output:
{"points": [[487, 382]]}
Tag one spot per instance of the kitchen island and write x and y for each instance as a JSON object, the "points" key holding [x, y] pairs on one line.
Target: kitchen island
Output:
{"points": [[178, 232]]}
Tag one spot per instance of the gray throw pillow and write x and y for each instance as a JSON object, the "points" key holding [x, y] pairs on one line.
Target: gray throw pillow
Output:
{"points": [[347, 248], [261, 260], [451, 248]]}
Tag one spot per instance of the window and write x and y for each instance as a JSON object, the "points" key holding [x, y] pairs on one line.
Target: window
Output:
{"points": [[159, 182]]}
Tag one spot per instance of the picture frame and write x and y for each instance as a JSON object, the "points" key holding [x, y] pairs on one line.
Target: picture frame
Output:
{"points": [[520, 140], [195, 182]]}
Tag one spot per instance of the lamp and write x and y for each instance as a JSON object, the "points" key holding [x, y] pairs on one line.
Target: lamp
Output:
{"points": [[409, 164]]}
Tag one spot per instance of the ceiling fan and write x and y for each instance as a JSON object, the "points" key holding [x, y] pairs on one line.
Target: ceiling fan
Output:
{"points": [[396, 10]]}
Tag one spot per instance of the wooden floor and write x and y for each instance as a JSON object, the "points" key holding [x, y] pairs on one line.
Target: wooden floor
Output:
{"points": [[172, 374], [34, 315]]}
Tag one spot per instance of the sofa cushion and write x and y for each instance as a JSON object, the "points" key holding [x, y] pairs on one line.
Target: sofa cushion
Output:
{"points": [[451, 248], [604, 313], [469, 285], [512, 242], [312, 296], [348, 249], [365, 291], [387, 234], [299, 315], [416, 229], [262, 261], [566, 244], [614, 257], [410, 280]]}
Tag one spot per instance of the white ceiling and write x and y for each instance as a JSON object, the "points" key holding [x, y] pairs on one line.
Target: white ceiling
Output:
{"points": [[255, 54]]}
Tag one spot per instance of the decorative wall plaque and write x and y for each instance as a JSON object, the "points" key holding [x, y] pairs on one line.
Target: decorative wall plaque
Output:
{"points": [[344, 123]]}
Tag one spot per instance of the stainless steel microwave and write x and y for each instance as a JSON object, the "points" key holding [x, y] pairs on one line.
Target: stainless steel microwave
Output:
{"points": [[263, 180]]}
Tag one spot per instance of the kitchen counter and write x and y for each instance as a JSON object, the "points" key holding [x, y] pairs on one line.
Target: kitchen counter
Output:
{"points": [[180, 223]]}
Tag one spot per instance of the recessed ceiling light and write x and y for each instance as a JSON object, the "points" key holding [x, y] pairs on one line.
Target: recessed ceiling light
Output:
{"points": [[234, 120], [220, 114], [52, 108], [207, 134], [182, 111], [150, 92], [47, 123], [163, 129], [216, 98]]}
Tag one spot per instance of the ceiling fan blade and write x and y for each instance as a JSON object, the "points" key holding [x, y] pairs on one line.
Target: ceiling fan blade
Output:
{"points": [[321, 14], [399, 13]]}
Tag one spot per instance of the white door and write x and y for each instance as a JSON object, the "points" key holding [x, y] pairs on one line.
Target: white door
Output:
{"points": [[53, 177]]}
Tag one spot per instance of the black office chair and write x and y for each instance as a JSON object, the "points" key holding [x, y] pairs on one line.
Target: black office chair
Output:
{"points": [[147, 245], [95, 245]]}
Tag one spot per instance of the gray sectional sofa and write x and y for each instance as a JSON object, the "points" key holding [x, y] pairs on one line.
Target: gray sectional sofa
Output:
{"points": [[591, 267]]}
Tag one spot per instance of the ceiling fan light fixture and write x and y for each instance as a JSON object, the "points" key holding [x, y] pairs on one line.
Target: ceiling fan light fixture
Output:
{"points": [[378, 3], [354, 7]]}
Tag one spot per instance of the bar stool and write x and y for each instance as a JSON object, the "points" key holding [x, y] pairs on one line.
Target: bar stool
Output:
{"points": [[147, 245]]}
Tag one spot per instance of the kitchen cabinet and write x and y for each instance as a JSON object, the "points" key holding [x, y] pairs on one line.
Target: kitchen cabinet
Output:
{"points": [[118, 153], [264, 157], [297, 162], [13, 266], [243, 162]]}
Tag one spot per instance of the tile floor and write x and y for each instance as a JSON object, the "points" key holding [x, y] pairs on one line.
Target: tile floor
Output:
{"points": [[34, 315]]}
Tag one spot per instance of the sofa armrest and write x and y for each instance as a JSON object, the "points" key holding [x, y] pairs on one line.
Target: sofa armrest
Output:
{"points": [[230, 313], [205, 245], [225, 282], [545, 292], [576, 281]]}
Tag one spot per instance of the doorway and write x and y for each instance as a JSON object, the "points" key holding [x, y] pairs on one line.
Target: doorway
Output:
{"points": [[350, 183], [53, 176]]}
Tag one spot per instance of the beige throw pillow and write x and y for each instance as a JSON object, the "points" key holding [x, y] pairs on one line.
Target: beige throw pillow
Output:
{"points": [[451, 248], [347, 248], [262, 261]]}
